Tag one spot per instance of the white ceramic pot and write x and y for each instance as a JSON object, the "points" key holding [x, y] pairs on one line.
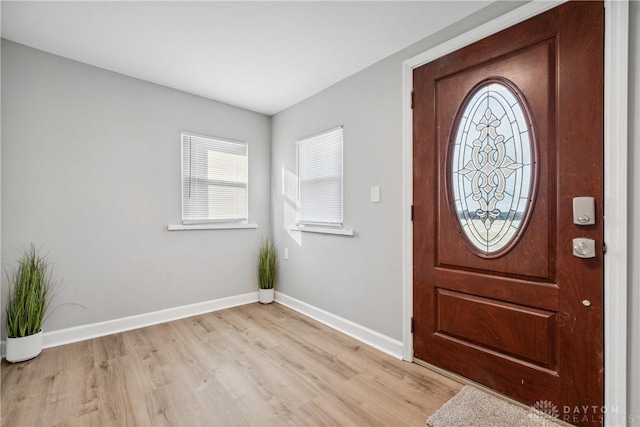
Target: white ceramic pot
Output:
{"points": [[24, 348], [265, 296]]}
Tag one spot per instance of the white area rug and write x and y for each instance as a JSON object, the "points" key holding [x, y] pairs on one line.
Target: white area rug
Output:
{"points": [[474, 408]]}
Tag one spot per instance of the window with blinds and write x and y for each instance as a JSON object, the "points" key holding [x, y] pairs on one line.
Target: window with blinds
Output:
{"points": [[320, 179], [214, 180]]}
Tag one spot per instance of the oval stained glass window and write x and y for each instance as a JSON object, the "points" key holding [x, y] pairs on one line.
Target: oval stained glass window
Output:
{"points": [[491, 168]]}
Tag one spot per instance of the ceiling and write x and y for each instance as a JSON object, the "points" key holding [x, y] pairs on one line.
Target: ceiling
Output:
{"points": [[263, 56]]}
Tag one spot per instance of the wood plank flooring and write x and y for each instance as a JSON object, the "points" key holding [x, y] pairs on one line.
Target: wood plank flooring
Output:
{"points": [[253, 365]]}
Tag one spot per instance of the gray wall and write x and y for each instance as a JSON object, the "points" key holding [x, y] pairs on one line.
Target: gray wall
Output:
{"points": [[358, 278], [91, 174], [634, 217]]}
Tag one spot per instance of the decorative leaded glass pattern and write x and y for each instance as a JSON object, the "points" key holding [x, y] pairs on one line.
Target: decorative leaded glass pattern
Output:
{"points": [[492, 167]]}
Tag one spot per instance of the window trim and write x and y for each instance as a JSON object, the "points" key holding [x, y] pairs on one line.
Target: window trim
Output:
{"points": [[341, 231], [219, 226], [315, 226], [210, 224]]}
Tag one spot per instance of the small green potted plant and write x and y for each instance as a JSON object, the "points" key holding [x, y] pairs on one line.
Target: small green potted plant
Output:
{"points": [[267, 270], [30, 291]]}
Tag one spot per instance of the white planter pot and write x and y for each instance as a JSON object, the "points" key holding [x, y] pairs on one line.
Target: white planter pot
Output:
{"points": [[265, 296], [24, 348]]}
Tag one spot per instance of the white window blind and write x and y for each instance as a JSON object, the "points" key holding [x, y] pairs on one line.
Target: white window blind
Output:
{"points": [[214, 180], [320, 178]]}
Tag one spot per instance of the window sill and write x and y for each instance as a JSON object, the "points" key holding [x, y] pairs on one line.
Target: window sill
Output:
{"points": [[221, 226], [325, 230]]}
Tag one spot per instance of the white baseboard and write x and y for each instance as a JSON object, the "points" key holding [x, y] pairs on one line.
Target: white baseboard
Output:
{"points": [[368, 336], [95, 330]]}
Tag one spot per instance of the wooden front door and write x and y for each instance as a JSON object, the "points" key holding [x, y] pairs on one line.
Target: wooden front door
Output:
{"points": [[507, 132]]}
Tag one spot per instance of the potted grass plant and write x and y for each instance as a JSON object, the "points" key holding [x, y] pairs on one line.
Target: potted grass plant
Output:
{"points": [[30, 291], [266, 271]]}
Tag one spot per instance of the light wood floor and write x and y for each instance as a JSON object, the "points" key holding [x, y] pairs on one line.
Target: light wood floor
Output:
{"points": [[251, 365]]}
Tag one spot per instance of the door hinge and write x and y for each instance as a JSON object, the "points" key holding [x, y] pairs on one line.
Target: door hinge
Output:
{"points": [[413, 325], [411, 212], [412, 99]]}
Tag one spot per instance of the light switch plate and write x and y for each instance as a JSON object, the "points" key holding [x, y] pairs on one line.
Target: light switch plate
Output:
{"points": [[375, 194], [286, 253]]}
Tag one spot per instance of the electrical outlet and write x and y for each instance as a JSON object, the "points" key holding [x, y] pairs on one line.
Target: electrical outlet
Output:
{"points": [[286, 253]]}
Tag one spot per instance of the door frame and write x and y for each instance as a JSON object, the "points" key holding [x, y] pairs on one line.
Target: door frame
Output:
{"points": [[615, 184]]}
